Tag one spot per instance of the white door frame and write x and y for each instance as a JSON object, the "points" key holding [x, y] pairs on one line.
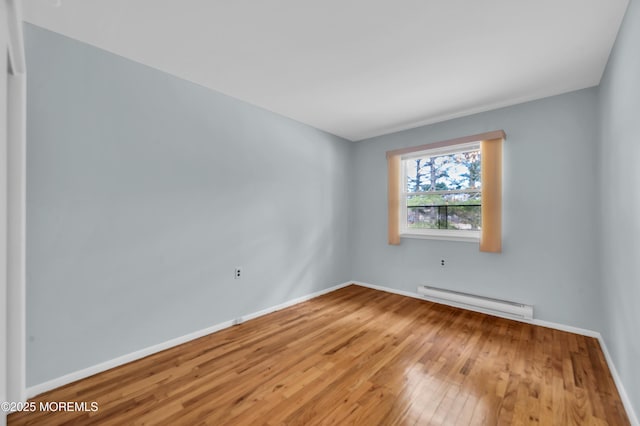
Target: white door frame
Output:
{"points": [[13, 209], [3, 208]]}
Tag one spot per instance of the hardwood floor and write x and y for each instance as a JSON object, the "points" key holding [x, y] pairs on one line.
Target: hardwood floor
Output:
{"points": [[357, 356]]}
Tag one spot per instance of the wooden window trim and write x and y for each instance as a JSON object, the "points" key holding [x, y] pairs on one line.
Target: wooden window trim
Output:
{"points": [[491, 151], [496, 134]]}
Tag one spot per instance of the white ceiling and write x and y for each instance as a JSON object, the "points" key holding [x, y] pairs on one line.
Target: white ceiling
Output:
{"points": [[356, 68]]}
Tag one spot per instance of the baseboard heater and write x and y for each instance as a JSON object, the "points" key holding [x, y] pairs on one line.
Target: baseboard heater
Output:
{"points": [[497, 306]]}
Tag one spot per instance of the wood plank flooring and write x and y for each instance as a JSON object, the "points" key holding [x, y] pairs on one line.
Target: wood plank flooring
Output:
{"points": [[357, 356]]}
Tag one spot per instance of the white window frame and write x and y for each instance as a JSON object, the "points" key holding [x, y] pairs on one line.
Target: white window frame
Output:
{"points": [[432, 234]]}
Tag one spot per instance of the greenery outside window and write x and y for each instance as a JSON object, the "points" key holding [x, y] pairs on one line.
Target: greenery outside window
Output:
{"points": [[448, 190], [441, 193]]}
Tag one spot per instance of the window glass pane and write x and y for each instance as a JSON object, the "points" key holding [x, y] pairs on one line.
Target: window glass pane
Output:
{"points": [[439, 199], [423, 217], [440, 211], [444, 172], [451, 191]]}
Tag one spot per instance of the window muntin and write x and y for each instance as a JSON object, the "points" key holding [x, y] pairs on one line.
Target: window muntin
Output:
{"points": [[441, 193]]}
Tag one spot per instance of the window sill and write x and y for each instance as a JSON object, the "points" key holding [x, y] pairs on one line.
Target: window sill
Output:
{"points": [[462, 236]]}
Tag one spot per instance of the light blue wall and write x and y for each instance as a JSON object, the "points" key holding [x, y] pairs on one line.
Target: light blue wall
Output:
{"points": [[146, 191], [550, 207], [620, 180]]}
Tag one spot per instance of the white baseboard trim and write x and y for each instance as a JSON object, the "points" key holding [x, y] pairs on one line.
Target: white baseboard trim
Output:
{"points": [[626, 401], [633, 418], [133, 356], [115, 362], [292, 302], [389, 290], [90, 371], [542, 323], [564, 327]]}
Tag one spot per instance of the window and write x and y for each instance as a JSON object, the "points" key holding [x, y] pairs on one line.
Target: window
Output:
{"points": [[448, 190], [442, 193]]}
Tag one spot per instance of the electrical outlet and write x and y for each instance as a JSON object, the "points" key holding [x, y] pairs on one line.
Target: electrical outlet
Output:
{"points": [[441, 262], [238, 274]]}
